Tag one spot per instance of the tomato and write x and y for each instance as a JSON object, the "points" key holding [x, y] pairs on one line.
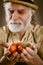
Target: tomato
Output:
{"points": [[19, 48], [12, 48]]}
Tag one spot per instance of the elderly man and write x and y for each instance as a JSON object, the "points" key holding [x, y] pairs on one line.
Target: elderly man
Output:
{"points": [[21, 27]]}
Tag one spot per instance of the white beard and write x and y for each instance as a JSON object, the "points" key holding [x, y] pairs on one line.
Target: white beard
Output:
{"points": [[16, 26]]}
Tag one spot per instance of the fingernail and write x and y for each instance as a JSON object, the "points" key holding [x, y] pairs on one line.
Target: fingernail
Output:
{"points": [[27, 47]]}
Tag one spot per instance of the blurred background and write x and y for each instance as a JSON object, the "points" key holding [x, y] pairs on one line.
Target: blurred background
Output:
{"points": [[39, 12]]}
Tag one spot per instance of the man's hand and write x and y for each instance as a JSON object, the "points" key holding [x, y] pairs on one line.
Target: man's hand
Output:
{"points": [[12, 57], [30, 57]]}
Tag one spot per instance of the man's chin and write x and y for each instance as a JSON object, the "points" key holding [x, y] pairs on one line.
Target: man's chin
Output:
{"points": [[15, 30]]}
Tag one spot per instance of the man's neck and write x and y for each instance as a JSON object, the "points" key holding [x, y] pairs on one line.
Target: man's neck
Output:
{"points": [[19, 35]]}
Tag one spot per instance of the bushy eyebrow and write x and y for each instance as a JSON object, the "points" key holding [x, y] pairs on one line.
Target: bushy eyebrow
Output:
{"points": [[22, 10]]}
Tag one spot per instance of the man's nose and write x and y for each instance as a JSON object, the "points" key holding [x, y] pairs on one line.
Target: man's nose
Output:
{"points": [[15, 15]]}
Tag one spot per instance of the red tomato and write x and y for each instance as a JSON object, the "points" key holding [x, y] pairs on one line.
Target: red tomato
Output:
{"points": [[19, 48], [15, 47], [12, 48]]}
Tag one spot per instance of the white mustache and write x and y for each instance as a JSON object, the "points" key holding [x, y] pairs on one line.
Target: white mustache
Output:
{"points": [[15, 22]]}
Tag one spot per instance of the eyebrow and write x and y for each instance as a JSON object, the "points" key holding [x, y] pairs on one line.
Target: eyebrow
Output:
{"points": [[18, 9]]}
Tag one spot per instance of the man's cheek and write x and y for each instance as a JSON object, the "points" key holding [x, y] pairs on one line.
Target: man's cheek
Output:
{"points": [[24, 19]]}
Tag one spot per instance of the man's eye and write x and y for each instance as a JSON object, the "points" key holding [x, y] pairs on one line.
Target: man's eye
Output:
{"points": [[21, 12], [11, 11]]}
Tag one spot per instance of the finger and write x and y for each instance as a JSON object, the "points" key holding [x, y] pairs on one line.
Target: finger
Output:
{"points": [[17, 58], [6, 52], [13, 56], [4, 44], [24, 58], [27, 54], [35, 48], [30, 51]]}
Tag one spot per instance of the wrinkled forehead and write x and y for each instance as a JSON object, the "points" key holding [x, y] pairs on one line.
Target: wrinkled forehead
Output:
{"points": [[15, 5]]}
